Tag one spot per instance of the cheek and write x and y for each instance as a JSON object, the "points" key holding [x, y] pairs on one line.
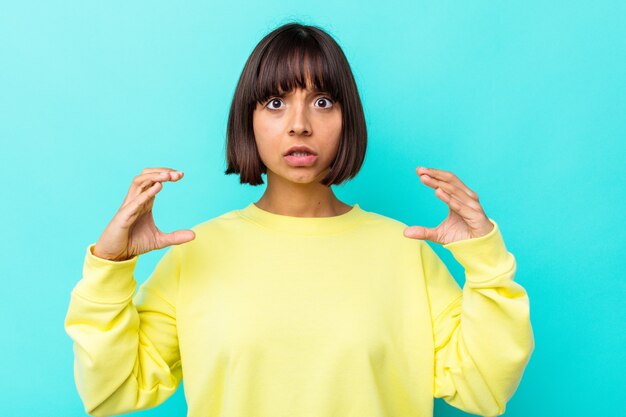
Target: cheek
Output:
{"points": [[264, 129], [332, 130], [264, 133], [334, 124]]}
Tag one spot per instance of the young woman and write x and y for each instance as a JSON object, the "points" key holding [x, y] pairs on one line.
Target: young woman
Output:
{"points": [[299, 304]]}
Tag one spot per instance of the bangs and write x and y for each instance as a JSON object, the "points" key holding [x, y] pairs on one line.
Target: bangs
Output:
{"points": [[290, 57], [295, 62]]}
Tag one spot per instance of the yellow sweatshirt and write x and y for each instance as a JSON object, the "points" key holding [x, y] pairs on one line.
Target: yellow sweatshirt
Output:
{"points": [[266, 315]]}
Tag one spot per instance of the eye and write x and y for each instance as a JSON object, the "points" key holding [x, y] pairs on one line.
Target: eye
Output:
{"points": [[325, 102], [273, 101]]}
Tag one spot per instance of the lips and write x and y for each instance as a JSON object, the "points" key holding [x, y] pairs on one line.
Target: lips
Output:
{"points": [[305, 156], [299, 148]]}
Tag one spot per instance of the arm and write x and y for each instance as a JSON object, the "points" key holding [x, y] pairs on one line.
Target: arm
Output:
{"points": [[483, 335], [126, 354]]}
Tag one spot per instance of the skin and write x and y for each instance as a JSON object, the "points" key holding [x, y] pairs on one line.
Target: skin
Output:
{"points": [[305, 116], [300, 117], [466, 217], [132, 230]]}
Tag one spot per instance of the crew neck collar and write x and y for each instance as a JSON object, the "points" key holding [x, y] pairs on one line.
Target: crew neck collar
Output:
{"points": [[303, 225]]}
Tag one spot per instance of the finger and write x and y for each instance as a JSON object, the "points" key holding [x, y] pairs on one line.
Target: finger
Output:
{"points": [[147, 173], [137, 206], [144, 181], [149, 170], [157, 176], [421, 232], [175, 238], [451, 190], [457, 206], [448, 177]]}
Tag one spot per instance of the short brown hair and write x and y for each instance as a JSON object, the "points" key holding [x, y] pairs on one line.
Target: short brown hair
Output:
{"points": [[285, 58]]}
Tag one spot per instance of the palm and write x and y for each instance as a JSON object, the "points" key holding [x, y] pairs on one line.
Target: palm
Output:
{"points": [[466, 217], [132, 231], [143, 235], [452, 229]]}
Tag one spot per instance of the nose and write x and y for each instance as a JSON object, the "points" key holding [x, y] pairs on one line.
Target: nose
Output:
{"points": [[299, 123]]}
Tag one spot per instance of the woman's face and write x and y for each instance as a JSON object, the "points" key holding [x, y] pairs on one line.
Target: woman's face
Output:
{"points": [[301, 117]]}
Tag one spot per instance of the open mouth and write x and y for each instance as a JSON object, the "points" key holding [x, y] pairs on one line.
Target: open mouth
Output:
{"points": [[300, 158]]}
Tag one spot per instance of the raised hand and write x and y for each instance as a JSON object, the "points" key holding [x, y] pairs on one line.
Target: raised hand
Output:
{"points": [[466, 218], [132, 230]]}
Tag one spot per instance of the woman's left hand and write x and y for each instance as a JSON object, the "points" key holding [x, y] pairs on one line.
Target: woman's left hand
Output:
{"points": [[466, 218]]}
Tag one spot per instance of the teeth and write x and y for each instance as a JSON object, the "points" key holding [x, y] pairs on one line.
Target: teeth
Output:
{"points": [[300, 153]]}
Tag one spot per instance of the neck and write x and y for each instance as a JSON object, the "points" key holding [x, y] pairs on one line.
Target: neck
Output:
{"points": [[300, 200]]}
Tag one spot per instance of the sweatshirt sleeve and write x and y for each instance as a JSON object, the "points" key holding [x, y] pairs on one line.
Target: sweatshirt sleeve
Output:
{"points": [[482, 333], [126, 355]]}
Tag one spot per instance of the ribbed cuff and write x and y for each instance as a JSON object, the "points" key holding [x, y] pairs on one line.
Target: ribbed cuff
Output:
{"points": [[484, 257], [105, 280]]}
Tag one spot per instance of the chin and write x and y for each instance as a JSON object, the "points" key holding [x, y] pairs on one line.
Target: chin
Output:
{"points": [[305, 180], [305, 176]]}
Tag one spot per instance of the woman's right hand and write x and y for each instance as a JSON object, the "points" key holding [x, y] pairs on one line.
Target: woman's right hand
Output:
{"points": [[132, 231]]}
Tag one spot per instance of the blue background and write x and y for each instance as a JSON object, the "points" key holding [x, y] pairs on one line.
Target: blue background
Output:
{"points": [[524, 101]]}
